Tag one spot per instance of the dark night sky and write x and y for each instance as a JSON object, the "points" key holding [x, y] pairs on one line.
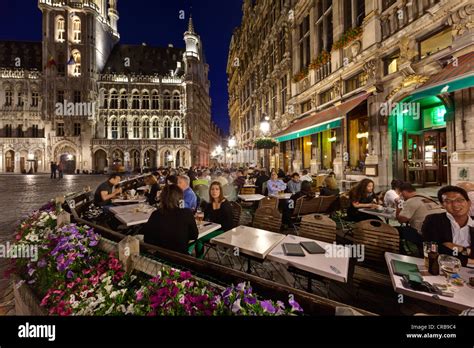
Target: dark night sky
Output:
{"points": [[157, 23]]}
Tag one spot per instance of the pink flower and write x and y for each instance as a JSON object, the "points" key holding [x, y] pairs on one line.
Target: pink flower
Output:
{"points": [[139, 295]]}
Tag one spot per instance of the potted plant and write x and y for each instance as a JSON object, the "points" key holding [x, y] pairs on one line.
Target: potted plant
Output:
{"points": [[265, 143], [350, 35], [322, 59]]}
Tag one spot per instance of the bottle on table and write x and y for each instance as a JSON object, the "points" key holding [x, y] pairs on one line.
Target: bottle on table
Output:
{"points": [[433, 267]]}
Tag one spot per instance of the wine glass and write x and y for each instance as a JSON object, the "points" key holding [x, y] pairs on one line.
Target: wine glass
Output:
{"points": [[449, 265]]}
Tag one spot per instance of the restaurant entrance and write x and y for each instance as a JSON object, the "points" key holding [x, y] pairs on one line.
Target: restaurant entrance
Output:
{"points": [[419, 142]]}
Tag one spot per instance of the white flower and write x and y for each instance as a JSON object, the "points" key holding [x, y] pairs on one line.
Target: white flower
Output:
{"points": [[121, 283], [111, 308], [108, 288], [130, 309], [72, 298], [133, 277]]}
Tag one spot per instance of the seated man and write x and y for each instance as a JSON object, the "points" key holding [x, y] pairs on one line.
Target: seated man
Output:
{"points": [[190, 198], [414, 212], [105, 192], [294, 185], [454, 229]]}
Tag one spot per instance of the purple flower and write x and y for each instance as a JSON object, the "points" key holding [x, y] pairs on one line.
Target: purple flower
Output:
{"points": [[240, 287], [42, 263], [236, 306], [268, 307], [93, 243], [250, 300], [70, 275], [295, 307], [227, 292]]}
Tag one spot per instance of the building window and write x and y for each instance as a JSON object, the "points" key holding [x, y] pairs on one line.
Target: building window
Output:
{"points": [[8, 131], [156, 129], [304, 43], [284, 92], [324, 32], [77, 129], [135, 100], [60, 29], [326, 96], [34, 99], [123, 101], [35, 131], [76, 30], [136, 129], [274, 100], [390, 63], [356, 81], [77, 97], [20, 102], [358, 139], [167, 129], [282, 44], [177, 129], [354, 13], [435, 43], [114, 129], [146, 101], [60, 129], [167, 101], [60, 97], [176, 101], [124, 129], [8, 98], [20, 133], [155, 100], [387, 3], [306, 106], [146, 129], [76, 63], [114, 100]]}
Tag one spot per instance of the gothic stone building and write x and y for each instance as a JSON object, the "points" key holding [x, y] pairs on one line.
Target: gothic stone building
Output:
{"points": [[377, 88], [81, 98]]}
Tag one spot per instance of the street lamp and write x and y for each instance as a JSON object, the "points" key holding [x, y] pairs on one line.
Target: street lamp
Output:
{"points": [[265, 129]]}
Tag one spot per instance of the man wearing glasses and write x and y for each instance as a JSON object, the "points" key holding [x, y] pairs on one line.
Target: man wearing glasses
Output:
{"points": [[454, 229]]}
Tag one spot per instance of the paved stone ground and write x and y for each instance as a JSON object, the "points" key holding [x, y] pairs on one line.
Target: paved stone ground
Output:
{"points": [[22, 194]]}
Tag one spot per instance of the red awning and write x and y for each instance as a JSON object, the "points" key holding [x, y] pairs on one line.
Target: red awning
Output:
{"points": [[324, 116]]}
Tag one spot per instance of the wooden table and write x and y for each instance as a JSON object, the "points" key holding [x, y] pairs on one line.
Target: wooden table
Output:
{"points": [[129, 201], [251, 198], [284, 196], [249, 241], [319, 264], [130, 216], [463, 299]]}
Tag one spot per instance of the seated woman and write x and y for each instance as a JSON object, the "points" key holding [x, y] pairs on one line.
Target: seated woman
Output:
{"points": [[218, 210], [330, 187], [362, 196], [289, 208], [170, 226], [151, 195]]}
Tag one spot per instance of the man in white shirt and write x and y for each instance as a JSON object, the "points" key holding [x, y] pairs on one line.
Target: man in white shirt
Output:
{"points": [[306, 176], [453, 230], [392, 197]]}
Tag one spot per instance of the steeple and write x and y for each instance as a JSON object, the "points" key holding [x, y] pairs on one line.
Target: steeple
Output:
{"points": [[191, 25], [192, 41]]}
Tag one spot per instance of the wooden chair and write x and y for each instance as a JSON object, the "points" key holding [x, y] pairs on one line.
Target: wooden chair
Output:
{"points": [[268, 219], [78, 204], [270, 202], [247, 191], [327, 204], [378, 238], [236, 213], [318, 227]]}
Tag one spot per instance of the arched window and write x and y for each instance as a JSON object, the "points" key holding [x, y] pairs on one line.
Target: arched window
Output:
{"points": [[177, 129], [124, 129], [176, 101], [76, 30], [123, 100], [76, 55], [60, 34], [136, 128], [135, 100], [146, 129], [155, 100], [146, 100], [156, 129], [167, 101], [103, 97], [167, 128], [114, 129], [113, 99]]}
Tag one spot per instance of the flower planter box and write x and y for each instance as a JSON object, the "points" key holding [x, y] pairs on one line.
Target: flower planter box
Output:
{"points": [[26, 302]]}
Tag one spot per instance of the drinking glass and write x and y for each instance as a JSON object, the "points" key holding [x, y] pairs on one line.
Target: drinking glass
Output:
{"points": [[199, 216], [449, 265]]}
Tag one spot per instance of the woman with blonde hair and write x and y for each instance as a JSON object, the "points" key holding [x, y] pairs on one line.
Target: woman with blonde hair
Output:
{"points": [[330, 187], [152, 192]]}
